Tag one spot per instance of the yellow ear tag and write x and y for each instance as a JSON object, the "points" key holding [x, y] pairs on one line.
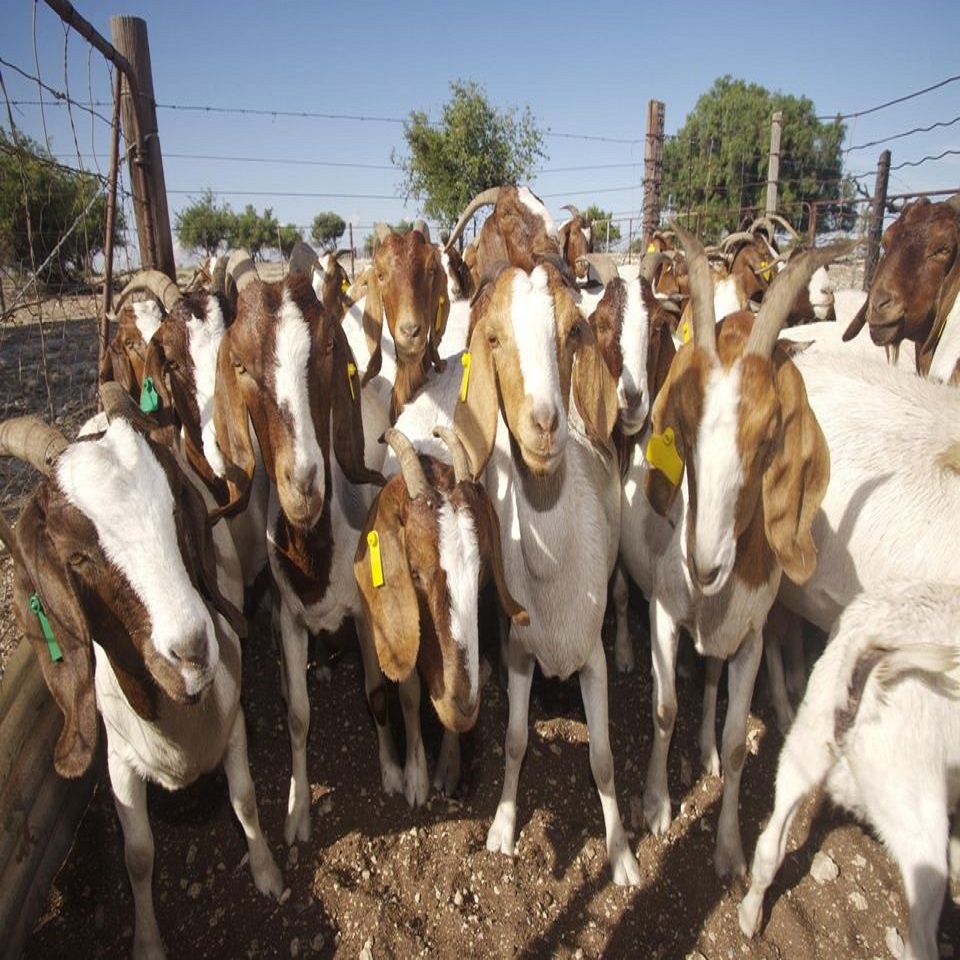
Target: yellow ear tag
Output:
{"points": [[439, 313], [376, 563], [351, 370], [685, 331], [651, 248], [662, 455], [765, 270], [344, 285], [465, 362]]}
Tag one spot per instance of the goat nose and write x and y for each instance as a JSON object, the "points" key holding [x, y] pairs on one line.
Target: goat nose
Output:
{"points": [[411, 330], [708, 577], [191, 649], [545, 418], [302, 480]]}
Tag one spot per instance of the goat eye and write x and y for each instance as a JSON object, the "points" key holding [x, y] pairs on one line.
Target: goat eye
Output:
{"points": [[941, 253], [239, 366], [493, 340]]}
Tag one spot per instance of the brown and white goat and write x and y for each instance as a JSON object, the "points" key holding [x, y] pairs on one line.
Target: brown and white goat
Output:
{"points": [[519, 232], [734, 417], [140, 620], [551, 472], [431, 540], [914, 292], [407, 286], [576, 241], [286, 367], [327, 274]]}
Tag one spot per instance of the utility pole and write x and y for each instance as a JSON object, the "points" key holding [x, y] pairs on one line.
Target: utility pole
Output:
{"points": [[773, 165], [876, 219]]}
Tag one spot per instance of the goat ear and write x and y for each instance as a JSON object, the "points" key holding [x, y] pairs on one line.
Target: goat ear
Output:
{"points": [[347, 411], [391, 610], [475, 418], [946, 300], [438, 322], [116, 367], [594, 390], [70, 679], [491, 551], [659, 489], [660, 354], [795, 480], [372, 326], [231, 423], [856, 324]]}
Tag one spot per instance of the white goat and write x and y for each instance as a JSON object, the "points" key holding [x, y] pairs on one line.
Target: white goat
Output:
{"points": [[732, 415], [549, 470], [89, 584], [879, 727]]}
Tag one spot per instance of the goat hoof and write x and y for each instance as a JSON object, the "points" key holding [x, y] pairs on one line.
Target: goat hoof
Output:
{"points": [[656, 811], [626, 870], [729, 863], [625, 659], [748, 913], [500, 835]]}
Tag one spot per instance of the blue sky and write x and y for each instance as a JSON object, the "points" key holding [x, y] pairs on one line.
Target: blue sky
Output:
{"points": [[586, 72]]}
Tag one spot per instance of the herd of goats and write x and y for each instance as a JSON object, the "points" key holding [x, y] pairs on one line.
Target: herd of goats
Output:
{"points": [[536, 428]]}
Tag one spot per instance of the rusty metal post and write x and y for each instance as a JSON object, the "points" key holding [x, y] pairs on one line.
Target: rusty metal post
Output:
{"points": [[876, 219], [652, 169]]}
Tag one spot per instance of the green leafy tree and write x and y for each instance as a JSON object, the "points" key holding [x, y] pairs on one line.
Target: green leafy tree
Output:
{"points": [[204, 225], [254, 232], [48, 204], [606, 233], [401, 227], [473, 147], [327, 229], [289, 237], [717, 164]]}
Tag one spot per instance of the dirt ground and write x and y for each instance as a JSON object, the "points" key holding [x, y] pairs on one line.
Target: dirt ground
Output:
{"points": [[378, 880]]}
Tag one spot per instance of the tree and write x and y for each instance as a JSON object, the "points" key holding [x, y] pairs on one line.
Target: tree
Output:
{"points": [[203, 225], [66, 210], [605, 232], [473, 147], [327, 229], [289, 237], [253, 232], [717, 163]]}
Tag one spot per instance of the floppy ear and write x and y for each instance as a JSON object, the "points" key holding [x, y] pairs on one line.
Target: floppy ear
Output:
{"points": [[391, 609], [856, 324], [116, 367], [490, 550], [39, 570], [946, 299], [372, 326], [594, 390], [475, 419], [233, 432], [346, 410], [438, 322], [659, 489], [660, 354], [796, 478]]}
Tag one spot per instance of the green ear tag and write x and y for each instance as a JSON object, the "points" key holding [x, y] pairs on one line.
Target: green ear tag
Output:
{"points": [[149, 401], [662, 455], [37, 607]]}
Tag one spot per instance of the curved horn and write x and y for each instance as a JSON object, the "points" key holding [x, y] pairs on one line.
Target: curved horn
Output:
{"points": [[741, 236], [118, 404], [381, 230], [218, 275], [770, 218], [303, 259], [33, 441], [421, 227], [458, 453], [574, 212], [486, 197], [649, 263], [701, 290], [783, 290], [954, 202], [241, 269], [151, 281], [410, 466], [600, 265]]}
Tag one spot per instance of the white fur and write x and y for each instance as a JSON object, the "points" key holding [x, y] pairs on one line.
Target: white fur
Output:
{"points": [[535, 206], [946, 356], [148, 315], [204, 340], [898, 765], [634, 345]]}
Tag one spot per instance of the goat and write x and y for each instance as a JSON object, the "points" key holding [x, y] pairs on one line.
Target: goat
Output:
{"points": [[733, 415], [576, 240], [431, 539], [327, 275], [913, 294], [519, 232], [552, 476], [155, 605], [879, 727], [285, 364], [407, 284]]}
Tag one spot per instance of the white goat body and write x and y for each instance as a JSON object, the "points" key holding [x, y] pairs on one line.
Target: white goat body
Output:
{"points": [[879, 728]]}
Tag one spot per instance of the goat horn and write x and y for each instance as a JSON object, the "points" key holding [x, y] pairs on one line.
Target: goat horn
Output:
{"points": [[152, 281], [218, 275], [421, 227], [303, 259], [33, 441], [241, 269], [410, 466], [574, 212], [783, 290], [954, 202], [484, 198], [649, 263], [772, 218], [701, 290], [458, 453], [119, 405], [741, 236], [601, 264]]}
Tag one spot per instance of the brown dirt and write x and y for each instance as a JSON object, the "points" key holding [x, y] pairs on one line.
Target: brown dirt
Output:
{"points": [[379, 880]]}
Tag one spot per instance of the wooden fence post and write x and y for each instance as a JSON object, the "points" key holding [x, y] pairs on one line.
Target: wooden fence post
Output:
{"points": [[652, 169], [876, 219], [773, 165], [130, 40]]}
